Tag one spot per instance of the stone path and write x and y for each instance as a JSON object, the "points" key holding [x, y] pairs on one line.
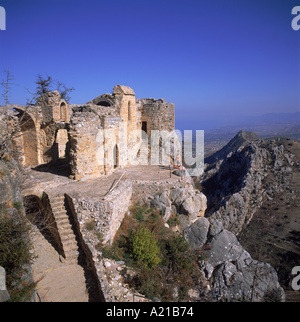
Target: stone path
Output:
{"points": [[58, 281]]}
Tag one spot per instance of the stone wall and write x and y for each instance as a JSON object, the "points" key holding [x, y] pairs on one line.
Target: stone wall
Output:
{"points": [[158, 114], [84, 128], [100, 138], [107, 213]]}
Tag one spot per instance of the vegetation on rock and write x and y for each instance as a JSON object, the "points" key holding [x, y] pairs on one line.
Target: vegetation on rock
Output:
{"points": [[165, 267]]}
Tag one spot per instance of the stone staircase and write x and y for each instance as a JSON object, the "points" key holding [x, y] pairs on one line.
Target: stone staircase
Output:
{"points": [[65, 230]]}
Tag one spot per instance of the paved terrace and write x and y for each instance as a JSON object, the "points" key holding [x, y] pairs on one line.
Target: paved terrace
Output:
{"points": [[44, 179]]}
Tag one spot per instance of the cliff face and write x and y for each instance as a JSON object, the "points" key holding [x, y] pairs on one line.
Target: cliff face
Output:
{"points": [[252, 222], [237, 184], [229, 270]]}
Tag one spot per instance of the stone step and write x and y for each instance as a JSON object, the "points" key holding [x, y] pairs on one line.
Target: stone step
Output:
{"points": [[57, 200], [61, 214], [67, 234], [64, 225], [72, 253], [62, 222], [67, 239], [57, 210], [71, 247], [57, 205], [72, 260]]}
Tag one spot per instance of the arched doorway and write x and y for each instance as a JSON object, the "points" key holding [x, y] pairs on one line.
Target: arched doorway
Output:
{"points": [[28, 139]]}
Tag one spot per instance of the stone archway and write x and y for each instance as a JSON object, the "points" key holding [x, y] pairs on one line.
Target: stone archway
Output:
{"points": [[62, 140], [28, 139]]}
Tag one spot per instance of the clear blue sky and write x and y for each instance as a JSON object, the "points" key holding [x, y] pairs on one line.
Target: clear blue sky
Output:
{"points": [[213, 59]]}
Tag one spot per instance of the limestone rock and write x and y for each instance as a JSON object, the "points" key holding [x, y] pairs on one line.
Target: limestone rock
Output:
{"points": [[235, 275], [236, 184], [252, 281], [196, 234], [224, 247]]}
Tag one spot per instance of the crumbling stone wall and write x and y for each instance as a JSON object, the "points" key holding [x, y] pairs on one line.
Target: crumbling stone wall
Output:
{"points": [[158, 114], [54, 107], [95, 139], [107, 212], [84, 128], [39, 125]]}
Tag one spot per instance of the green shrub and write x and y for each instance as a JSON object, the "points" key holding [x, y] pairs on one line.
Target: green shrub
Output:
{"points": [[18, 205], [16, 255], [138, 212], [149, 282], [144, 247], [90, 225], [162, 259]]}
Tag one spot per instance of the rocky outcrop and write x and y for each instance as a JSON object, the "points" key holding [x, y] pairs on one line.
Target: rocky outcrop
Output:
{"points": [[241, 139], [232, 273], [186, 202], [236, 185]]}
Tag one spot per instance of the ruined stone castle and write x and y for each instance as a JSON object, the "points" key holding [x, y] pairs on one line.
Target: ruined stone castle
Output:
{"points": [[109, 132]]}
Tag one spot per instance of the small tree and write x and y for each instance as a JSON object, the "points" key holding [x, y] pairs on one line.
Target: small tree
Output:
{"points": [[16, 254], [144, 247], [64, 91], [6, 84], [45, 85]]}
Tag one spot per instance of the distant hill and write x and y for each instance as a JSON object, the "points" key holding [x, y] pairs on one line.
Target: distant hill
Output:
{"points": [[279, 118], [241, 139], [265, 126]]}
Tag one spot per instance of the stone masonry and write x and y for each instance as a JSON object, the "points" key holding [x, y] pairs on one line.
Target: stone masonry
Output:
{"points": [[108, 133]]}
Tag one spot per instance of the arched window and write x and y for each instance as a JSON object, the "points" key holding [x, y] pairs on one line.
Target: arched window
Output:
{"points": [[129, 111], [63, 112], [116, 156]]}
